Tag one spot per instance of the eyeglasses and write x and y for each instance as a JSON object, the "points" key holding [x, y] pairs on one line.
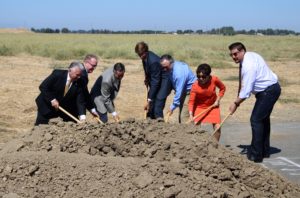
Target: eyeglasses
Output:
{"points": [[234, 54], [95, 65], [203, 77]]}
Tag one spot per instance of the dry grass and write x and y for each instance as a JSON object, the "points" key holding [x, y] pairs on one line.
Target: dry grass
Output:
{"points": [[21, 75]]}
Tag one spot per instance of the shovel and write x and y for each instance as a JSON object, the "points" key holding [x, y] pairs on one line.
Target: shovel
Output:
{"points": [[167, 117], [220, 124], [67, 113], [203, 112], [98, 119], [146, 111]]}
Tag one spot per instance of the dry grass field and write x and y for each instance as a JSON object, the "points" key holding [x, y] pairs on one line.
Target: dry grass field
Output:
{"points": [[23, 69]]}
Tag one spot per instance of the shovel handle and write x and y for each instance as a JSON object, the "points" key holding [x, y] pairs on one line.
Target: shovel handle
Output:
{"points": [[167, 117], [97, 118], [221, 124], [146, 94], [201, 113], [67, 113]]}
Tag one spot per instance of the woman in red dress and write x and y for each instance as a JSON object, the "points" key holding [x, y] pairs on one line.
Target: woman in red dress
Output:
{"points": [[203, 96]]}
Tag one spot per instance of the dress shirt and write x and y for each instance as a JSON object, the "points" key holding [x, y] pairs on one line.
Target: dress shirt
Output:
{"points": [[182, 79], [256, 75]]}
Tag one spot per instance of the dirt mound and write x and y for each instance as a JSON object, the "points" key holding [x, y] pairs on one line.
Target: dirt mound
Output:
{"points": [[130, 159]]}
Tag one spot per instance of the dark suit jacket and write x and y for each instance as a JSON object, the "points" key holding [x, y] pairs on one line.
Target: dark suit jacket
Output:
{"points": [[153, 72], [53, 88], [88, 100]]}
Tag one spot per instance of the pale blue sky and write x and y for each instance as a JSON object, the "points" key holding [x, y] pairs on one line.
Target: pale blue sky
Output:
{"points": [[166, 15]]}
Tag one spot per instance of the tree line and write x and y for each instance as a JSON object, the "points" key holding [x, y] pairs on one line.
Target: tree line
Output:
{"points": [[227, 30]]}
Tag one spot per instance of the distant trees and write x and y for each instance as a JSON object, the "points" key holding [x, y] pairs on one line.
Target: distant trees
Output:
{"points": [[226, 30]]}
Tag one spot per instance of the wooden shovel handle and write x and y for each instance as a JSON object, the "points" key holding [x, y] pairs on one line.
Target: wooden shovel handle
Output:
{"points": [[167, 117], [67, 113], [98, 119], [201, 113], [221, 124], [146, 111]]}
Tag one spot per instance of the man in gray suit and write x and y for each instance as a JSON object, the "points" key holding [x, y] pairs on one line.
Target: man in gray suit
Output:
{"points": [[105, 90]]}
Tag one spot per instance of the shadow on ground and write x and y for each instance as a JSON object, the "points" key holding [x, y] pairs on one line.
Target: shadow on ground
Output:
{"points": [[246, 148]]}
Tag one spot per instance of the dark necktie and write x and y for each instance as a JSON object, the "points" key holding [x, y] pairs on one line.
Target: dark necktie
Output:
{"points": [[240, 79]]}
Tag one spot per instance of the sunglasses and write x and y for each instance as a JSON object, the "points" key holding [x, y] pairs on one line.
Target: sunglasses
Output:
{"points": [[95, 65], [234, 53]]}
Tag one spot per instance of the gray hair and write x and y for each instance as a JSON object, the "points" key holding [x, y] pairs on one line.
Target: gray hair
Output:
{"points": [[167, 57], [77, 64]]}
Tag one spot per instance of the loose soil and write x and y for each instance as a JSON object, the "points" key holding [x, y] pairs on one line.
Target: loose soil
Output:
{"points": [[130, 159]]}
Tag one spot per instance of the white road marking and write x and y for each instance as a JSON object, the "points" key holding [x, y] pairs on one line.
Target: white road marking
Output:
{"points": [[289, 161], [290, 169]]}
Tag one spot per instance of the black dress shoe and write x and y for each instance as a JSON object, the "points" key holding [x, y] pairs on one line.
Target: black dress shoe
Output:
{"points": [[255, 159], [267, 155]]}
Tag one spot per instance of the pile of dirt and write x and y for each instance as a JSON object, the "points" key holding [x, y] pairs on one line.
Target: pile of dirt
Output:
{"points": [[130, 159]]}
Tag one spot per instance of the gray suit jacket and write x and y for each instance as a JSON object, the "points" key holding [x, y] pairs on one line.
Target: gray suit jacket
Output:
{"points": [[105, 90]]}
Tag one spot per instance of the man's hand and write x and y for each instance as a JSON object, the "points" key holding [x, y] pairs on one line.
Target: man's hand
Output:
{"points": [[55, 104], [147, 106], [116, 118], [94, 112], [146, 81], [170, 112], [232, 108]]}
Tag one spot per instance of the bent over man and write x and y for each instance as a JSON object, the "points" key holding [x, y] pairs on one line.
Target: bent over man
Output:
{"points": [[61, 88], [105, 90]]}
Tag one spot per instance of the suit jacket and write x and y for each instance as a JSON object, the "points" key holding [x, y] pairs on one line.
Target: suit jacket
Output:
{"points": [[88, 100], [153, 73], [105, 90], [53, 88]]}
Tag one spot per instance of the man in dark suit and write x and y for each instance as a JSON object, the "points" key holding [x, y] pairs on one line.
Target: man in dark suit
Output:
{"points": [[105, 90], [90, 63], [156, 79], [61, 88]]}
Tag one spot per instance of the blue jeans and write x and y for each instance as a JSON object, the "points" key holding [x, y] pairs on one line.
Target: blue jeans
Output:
{"points": [[260, 120]]}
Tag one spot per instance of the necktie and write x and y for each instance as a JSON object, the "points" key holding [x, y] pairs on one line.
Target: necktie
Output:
{"points": [[67, 86], [240, 79]]}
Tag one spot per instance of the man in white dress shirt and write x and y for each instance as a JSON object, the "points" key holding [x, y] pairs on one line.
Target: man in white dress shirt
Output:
{"points": [[256, 78]]}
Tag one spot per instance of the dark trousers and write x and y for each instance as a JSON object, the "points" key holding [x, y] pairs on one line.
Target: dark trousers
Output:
{"points": [[260, 120], [44, 119], [159, 103]]}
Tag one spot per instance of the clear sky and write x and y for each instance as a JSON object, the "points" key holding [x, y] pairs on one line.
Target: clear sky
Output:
{"points": [[166, 15]]}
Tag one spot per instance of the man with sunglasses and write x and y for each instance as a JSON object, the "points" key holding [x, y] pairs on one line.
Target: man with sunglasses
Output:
{"points": [[257, 78], [90, 63]]}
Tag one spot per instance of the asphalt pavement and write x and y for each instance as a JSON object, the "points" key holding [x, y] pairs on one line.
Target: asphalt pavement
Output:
{"points": [[285, 145]]}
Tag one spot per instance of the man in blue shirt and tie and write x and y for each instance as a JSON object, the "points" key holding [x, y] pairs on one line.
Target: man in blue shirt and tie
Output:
{"points": [[256, 78], [182, 79]]}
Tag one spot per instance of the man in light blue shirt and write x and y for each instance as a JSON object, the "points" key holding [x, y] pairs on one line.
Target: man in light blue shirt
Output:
{"points": [[257, 78], [182, 79]]}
